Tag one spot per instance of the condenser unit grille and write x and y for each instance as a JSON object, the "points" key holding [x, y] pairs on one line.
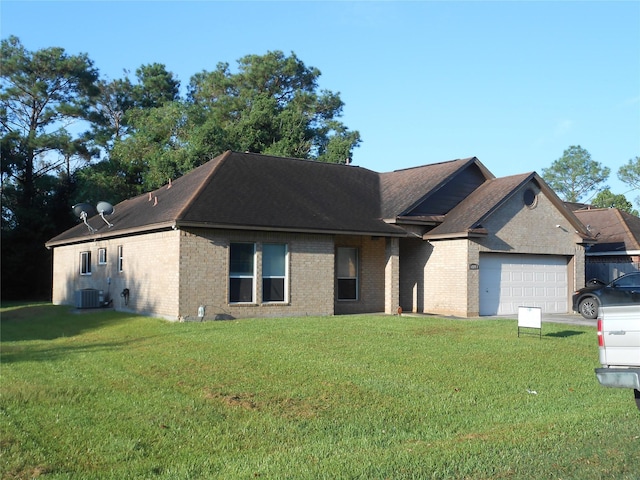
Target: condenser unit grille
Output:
{"points": [[87, 298]]}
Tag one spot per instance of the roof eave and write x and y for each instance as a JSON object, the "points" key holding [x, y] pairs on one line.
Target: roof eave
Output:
{"points": [[471, 233], [265, 228], [92, 237]]}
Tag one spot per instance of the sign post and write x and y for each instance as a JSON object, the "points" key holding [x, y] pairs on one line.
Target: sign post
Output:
{"points": [[530, 317]]}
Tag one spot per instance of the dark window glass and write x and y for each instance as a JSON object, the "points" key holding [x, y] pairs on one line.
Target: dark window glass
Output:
{"points": [[273, 289]]}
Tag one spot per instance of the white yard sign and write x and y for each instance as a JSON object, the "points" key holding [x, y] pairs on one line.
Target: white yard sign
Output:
{"points": [[530, 317]]}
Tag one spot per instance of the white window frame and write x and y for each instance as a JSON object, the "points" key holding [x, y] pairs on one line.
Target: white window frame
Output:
{"points": [[284, 276], [239, 275], [120, 258], [342, 275], [102, 256], [85, 263]]}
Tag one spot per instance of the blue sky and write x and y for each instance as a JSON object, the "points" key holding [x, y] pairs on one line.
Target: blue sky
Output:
{"points": [[513, 83]]}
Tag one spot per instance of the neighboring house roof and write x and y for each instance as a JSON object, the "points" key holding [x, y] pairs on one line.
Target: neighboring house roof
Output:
{"points": [[252, 191], [615, 231], [260, 192]]}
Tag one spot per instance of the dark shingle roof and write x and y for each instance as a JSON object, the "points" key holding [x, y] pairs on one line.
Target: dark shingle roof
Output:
{"points": [[253, 191], [614, 229], [403, 189], [260, 192]]}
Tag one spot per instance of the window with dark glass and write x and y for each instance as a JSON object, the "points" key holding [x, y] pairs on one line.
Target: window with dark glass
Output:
{"points": [[241, 272], [85, 263], [274, 272], [347, 273], [120, 259]]}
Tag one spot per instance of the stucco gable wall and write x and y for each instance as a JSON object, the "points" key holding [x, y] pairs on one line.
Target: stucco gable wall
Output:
{"points": [[150, 272], [204, 274]]}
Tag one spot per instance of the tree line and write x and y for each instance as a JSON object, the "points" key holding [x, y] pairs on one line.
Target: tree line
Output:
{"points": [[69, 135]]}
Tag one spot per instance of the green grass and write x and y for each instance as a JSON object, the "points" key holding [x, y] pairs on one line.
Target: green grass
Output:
{"points": [[110, 395]]}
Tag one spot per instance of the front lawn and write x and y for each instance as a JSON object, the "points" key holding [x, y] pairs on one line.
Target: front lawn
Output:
{"points": [[110, 395]]}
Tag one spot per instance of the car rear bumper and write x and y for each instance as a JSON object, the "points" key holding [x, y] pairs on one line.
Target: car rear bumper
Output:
{"points": [[619, 377]]}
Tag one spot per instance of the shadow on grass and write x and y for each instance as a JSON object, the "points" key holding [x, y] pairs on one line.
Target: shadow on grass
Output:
{"points": [[18, 353], [48, 322], [564, 334]]}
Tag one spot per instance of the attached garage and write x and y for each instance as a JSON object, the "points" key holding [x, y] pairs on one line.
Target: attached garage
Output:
{"points": [[508, 281]]}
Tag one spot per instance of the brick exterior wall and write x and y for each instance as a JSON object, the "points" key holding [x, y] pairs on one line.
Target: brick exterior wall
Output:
{"points": [[372, 264], [204, 272], [149, 272], [170, 274]]}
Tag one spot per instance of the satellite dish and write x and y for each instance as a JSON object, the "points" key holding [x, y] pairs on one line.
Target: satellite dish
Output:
{"points": [[105, 208], [84, 211], [83, 208]]}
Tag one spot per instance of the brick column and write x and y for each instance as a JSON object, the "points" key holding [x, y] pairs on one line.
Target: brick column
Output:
{"points": [[392, 276]]}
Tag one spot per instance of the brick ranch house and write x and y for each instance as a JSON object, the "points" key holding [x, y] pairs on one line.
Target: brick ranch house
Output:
{"points": [[248, 235]]}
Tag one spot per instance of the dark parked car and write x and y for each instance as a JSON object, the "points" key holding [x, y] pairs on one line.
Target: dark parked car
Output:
{"points": [[587, 300]]}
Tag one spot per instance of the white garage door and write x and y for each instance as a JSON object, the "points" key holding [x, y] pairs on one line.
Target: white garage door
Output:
{"points": [[511, 281]]}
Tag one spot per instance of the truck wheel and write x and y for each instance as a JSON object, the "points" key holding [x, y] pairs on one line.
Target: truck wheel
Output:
{"points": [[636, 393], [588, 307]]}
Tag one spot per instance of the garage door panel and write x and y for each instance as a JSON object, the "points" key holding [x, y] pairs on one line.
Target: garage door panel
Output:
{"points": [[510, 281]]}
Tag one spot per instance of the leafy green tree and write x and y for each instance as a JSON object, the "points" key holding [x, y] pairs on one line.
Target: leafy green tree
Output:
{"points": [[575, 175], [135, 124], [271, 105], [606, 199], [42, 93]]}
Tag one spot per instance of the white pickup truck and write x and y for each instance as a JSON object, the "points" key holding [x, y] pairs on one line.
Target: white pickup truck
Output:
{"points": [[619, 340]]}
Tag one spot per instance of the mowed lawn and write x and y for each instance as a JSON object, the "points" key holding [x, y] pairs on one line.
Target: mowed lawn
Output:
{"points": [[110, 395]]}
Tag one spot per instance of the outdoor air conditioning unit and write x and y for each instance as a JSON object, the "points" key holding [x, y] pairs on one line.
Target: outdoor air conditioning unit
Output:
{"points": [[88, 298]]}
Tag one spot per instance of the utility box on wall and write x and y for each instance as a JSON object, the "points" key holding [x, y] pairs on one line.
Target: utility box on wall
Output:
{"points": [[88, 298]]}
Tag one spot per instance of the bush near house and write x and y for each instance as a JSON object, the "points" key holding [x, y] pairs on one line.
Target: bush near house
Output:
{"points": [[109, 395]]}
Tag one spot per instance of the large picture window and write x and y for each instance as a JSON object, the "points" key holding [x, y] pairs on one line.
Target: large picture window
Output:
{"points": [[241, 272], [274, 272], [85, 263], [347, 270]]}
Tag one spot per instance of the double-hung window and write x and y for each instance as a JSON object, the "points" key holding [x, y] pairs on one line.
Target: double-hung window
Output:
{"points": [[85, 263], [274, 272], [241, 272], [102, 256], [347, 273]]}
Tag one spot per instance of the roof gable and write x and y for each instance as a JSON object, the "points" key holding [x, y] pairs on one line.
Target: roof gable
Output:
{"points": [[467, 218], [430, 189]]}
